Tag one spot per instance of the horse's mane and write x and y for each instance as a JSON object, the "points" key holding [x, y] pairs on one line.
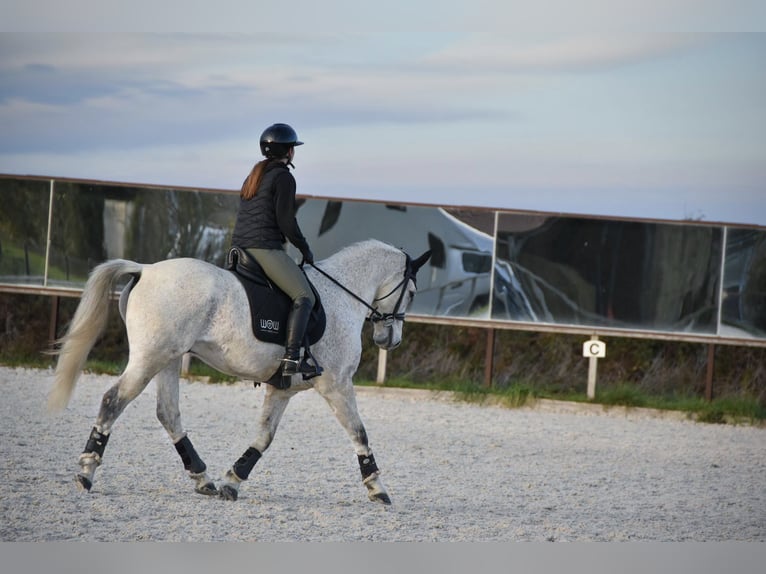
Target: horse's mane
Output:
{"points": [[362, 250]]}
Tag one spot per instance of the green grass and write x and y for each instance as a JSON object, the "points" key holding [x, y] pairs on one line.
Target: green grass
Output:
{"points": [[719, 411], [624, 395], [200, 369], [730, 409], [14, 259], [32, 361], [41, 361], [723, 410]]}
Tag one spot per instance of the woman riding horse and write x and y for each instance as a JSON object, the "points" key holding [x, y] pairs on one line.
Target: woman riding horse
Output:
{"points": [[265, 219]]}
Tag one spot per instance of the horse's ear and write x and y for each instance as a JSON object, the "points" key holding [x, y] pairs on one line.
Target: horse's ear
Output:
{"points": [[420, 261]]}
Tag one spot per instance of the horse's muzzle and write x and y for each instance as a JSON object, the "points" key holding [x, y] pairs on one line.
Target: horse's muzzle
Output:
{"points": [[387, 340]]}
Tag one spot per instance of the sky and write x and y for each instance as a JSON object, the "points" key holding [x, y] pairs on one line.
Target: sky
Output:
{"points": [[668, 124]]}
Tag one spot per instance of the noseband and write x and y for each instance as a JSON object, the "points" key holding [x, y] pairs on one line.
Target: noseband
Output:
{"points": [[376, 316]]}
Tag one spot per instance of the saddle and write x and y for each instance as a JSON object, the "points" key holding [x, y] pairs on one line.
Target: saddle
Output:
{"points": [[269, 305]]}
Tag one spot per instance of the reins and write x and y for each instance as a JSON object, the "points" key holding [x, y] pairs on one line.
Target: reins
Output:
{"points": [[375, 315]]}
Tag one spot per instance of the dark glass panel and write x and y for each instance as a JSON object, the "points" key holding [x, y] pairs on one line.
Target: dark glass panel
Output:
{"points": [[743, 310], [93, 223], [456, 282], [635, 275], [23, 230]]}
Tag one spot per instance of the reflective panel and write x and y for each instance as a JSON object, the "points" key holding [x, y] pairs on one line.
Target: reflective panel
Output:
{"points": [[93, 223], [743, 310], [23, 230], [77, 233], [570, 271], [456, 281], [634, 275]]}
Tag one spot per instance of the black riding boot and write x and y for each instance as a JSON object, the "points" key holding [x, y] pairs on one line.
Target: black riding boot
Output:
{"points": [[296, 330]]}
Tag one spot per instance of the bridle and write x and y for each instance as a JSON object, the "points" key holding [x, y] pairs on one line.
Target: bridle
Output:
{"points": [[376, 316]]}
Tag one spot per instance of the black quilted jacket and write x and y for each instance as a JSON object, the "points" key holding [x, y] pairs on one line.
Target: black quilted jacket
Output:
{"points": [[266, 220]]}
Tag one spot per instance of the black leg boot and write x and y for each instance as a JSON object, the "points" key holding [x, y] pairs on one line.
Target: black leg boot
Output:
{"points": [[296, 329]]}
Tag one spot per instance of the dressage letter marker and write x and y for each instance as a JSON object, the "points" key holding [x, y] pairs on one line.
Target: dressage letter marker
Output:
{"points": [[593, 350]]}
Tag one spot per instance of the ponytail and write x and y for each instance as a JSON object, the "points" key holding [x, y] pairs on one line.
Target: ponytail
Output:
{"points": [[250, 186]]}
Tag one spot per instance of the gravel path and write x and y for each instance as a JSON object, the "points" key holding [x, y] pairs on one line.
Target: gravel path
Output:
{"points": [[455, 472]]}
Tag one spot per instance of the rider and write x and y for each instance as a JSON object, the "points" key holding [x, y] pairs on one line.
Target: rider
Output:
{"points": [[265, 219]]}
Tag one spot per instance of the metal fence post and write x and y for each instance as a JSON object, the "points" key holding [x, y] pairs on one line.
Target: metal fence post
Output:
{"points": [[489, 358], [710, 372]]}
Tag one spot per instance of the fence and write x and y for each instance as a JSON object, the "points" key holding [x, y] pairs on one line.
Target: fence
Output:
{"points": [[494, 269]]}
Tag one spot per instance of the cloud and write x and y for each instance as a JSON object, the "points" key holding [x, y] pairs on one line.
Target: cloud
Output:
{"points": [[83, 92], [421, 112], [570, 54]]}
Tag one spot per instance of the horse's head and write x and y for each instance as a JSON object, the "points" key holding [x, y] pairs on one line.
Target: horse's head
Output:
{"points": [[393, 299]]}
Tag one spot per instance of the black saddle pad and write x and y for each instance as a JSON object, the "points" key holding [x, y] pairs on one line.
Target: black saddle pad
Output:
{"points": [[269, 305]]}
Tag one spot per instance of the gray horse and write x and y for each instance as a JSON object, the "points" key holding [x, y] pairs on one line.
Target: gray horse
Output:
{"points": [[187, 305]]}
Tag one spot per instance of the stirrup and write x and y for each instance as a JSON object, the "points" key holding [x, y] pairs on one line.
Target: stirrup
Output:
{"points": [[309, 371], [290, 366], [286, 371]]}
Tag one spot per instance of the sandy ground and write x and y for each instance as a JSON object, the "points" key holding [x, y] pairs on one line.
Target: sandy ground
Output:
{"points": [[455, 472]]}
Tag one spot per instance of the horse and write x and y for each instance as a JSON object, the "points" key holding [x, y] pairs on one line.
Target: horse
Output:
{"points": [[186, 305]]}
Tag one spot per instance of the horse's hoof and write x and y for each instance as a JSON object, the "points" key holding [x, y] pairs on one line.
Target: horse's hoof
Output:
{"points": [[208, 489], [228, 492], [83, 482], [381, 497]]}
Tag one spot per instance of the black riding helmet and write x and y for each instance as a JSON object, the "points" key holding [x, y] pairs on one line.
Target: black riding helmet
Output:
{"points": [[277, 139]]}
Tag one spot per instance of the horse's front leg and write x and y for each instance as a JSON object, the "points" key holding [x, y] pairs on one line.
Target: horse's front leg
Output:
{"points": [[342, 400], [169, 414], [274, 405]]}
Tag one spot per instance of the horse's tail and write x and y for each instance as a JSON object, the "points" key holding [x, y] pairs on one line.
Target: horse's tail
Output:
{"points": [[88, 323]]}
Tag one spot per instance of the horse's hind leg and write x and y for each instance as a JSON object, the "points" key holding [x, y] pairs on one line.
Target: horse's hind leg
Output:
{"points": [[343, 403], [130, 384], [169, 414]]}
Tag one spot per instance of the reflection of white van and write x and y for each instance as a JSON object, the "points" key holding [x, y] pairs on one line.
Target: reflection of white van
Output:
{"points": [[457, 279]]}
